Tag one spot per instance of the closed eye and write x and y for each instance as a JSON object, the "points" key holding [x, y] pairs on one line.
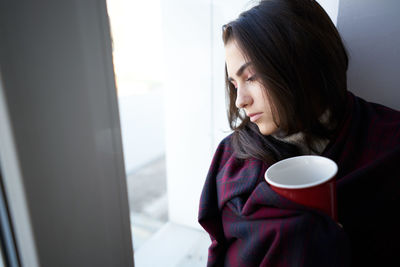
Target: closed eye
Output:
{"points": [[252, 78]]}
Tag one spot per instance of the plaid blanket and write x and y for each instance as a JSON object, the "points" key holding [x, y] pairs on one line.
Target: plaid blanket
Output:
{"points": [[251, 225]]}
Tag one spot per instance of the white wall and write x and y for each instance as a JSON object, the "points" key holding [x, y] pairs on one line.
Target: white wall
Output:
{"points": [[187, 36], [331, 7], [195, 103], [371, 32]]}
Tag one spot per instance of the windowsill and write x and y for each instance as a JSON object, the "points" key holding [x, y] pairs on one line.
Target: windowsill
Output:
{"points": [[174, 246]]}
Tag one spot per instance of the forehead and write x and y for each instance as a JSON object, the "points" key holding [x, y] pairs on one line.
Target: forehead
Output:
{"points": [[234, 58]]}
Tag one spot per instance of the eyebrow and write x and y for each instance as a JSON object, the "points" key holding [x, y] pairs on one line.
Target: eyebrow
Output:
{"points": [[241, 70]]}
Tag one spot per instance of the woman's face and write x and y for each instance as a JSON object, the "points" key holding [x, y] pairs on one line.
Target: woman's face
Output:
{"points": [[250, 93]]}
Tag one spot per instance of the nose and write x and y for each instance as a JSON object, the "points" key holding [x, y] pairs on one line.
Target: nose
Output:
{"points": [[243, 98]]}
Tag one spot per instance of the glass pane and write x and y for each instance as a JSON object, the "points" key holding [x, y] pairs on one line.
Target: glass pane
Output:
{"points": [[137, 34], [137, 55]]}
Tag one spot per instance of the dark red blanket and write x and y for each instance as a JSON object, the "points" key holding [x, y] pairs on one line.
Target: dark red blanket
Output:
{"points": [[251, 225]]}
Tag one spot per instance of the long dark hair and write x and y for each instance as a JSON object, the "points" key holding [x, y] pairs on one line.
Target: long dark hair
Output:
{"points": [[298, 54]]}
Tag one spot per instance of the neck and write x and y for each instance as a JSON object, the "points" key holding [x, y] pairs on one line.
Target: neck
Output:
{"points": [[298, 138]]}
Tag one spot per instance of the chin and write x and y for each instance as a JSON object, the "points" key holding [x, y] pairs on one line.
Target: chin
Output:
{"points": [[267, 129]]}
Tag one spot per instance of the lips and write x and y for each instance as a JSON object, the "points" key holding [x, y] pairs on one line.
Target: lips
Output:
{"points": [[255, 116]]}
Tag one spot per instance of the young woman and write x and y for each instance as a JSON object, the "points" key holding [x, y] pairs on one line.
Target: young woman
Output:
{"points": [[286, 80]]}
